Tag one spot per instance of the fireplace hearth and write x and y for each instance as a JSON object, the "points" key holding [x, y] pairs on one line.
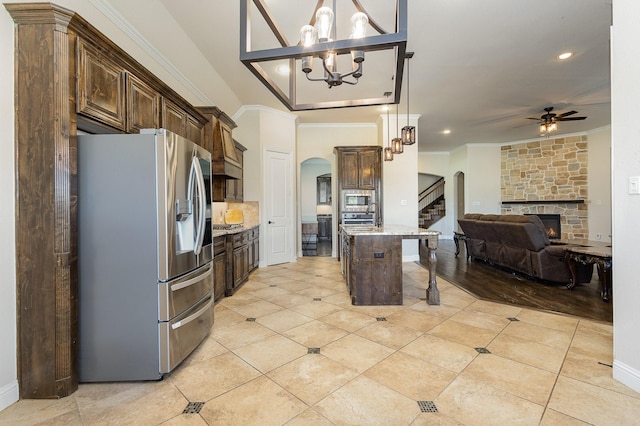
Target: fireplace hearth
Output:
{"points": [[551, 223]]}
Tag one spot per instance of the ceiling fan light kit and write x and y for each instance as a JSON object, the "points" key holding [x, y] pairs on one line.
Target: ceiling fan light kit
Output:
{"points": [[319, 41], [549, 120]]}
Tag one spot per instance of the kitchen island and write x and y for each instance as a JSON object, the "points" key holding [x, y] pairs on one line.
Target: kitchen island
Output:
{"points": [[371, 259]]}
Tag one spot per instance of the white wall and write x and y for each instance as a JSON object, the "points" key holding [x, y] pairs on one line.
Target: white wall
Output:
{"points": [[482, 179], [8, 362], [400, 183], [625, 133], [599, 179]]}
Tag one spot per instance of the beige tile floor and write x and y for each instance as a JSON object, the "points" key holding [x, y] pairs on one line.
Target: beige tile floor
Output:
{"points": [[374, 363]]}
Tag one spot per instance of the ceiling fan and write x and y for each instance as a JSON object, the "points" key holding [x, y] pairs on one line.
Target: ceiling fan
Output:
{"points": [[548, 120]]}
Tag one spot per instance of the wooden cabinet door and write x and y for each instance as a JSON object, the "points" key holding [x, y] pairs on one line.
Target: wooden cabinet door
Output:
{"points": [[220, 276], [349, 170], [240, 265], [367, 167], [174, 118], [256, 253], [194, 130], [143, 106], [101, 87]]}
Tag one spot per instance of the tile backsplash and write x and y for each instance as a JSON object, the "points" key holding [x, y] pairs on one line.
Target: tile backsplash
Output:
{"points": [[250, 211]]}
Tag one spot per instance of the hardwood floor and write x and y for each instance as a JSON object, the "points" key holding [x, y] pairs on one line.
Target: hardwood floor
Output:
{"points": [[491, 283]]}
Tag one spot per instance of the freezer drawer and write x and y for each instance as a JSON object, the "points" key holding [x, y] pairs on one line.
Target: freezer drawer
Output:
{"points": [[180, 336], [178, 295]]}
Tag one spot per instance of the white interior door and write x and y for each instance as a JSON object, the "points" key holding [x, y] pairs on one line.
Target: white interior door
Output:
{"points": [[279, 203]]}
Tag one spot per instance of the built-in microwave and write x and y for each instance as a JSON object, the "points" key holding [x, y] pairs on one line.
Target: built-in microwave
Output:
{"points": [[357, 200]]}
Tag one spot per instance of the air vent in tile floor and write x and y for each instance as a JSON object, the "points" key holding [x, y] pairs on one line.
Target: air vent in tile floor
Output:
{"points": [[482, 350], [313, 351], [513, 319], [273, 285], [251, 319], [381, 319], [193, 408], [317, 299], [427, 407]]}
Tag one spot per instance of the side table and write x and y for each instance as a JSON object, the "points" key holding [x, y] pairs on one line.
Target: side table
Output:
{"points": [[600, 256]]}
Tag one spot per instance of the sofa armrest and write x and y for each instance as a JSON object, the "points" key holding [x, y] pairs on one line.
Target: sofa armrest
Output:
{"points": [[556, 250]]}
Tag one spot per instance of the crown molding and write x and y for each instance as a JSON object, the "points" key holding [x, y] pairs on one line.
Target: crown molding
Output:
{"points": [[125, 26], [261, 108]]}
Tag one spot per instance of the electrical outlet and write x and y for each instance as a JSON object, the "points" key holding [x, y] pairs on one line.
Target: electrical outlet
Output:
{"points": [[378, 255], [598, 237]]}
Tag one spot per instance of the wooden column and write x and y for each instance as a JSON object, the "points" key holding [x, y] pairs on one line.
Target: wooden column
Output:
{"points": [[46, 251]]}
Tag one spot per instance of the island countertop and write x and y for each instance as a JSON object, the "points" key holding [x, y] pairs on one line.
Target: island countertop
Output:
{"points": [[398, 230], [371, 258]]}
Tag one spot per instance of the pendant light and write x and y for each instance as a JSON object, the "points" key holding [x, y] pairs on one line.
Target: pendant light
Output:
{"points": [[396, 143], [408, 132], [388, 152]]}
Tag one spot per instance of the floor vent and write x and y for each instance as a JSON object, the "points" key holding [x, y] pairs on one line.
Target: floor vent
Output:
{"points": [[313, 351], [513, 319], [251, 319], [427, 407], [317, 299], [482, 350], [273, 285], [381, 319], [193, 408]]}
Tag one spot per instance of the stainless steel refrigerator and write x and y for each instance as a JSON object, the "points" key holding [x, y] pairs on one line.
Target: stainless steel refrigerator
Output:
{"points": [[144, 254]]}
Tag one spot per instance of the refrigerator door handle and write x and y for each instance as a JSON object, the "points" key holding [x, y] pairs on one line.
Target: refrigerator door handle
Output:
{"points": [[190, 318], [196, 190], [193, 280]]}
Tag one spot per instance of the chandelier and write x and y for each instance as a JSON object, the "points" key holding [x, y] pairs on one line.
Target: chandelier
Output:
{"points": [[318, 41]]}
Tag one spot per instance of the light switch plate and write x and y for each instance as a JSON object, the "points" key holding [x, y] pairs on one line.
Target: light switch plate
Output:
{"points": [[634, 184]]}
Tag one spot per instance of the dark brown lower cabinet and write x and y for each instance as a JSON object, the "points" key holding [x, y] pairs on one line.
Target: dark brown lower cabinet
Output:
{"points": [[242, 258], [219, 267], [373, 269]]}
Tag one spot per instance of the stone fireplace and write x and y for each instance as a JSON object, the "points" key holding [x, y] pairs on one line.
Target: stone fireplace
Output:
{"points": [[548, 177]]}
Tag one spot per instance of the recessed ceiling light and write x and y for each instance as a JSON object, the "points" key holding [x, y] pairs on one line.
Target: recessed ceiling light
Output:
{"points": [[565, 55], [283, 69], [384, 108], [446, 131]]}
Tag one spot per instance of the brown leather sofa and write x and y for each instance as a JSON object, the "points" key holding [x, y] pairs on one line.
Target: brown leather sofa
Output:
{"points": [[519, 243]]}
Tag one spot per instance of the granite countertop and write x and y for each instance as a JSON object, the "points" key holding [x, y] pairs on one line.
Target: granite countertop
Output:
{"points": [[401, 230], [598, 251], [245, 227]]}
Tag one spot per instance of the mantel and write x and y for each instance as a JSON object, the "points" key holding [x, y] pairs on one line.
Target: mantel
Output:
{"points": [[544, 202]]}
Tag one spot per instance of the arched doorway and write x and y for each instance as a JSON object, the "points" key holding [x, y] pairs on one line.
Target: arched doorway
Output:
{"points": [[316, 203]]}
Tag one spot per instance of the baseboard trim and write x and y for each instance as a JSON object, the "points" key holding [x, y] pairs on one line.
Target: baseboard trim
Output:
{"points": [[9, 394], [626, 375]]}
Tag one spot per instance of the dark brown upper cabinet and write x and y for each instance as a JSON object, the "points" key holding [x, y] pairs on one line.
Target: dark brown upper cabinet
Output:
{"points": [[101, 87], [143, 105], [359, 167]]}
